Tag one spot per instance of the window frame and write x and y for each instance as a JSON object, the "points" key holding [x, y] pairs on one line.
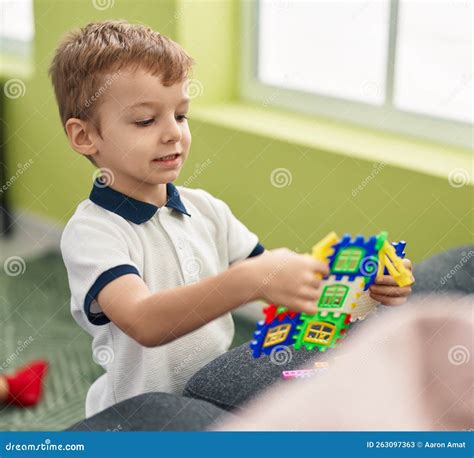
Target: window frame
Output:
{"points": [[275, 333], [333, 293], [346, 257], [419, 126], [318, 340]]}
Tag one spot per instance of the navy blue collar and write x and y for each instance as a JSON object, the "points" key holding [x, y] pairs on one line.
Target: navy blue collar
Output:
{"points": [[133, 210]]}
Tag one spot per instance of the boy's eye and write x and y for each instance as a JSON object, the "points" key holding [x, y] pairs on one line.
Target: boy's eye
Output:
{"points": [[144, 123], [149, 122]]}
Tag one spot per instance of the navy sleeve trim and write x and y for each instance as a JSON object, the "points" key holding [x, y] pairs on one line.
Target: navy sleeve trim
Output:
{"points": [[259, 249], [104, 279]]}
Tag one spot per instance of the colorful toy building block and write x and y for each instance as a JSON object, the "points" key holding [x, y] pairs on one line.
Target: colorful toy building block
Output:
{"points": [[278, 332], [354, 265], [300, 373], [325, 247], [356, 258], [322, 332], [274, 313], [394, 265], [305, 373]]}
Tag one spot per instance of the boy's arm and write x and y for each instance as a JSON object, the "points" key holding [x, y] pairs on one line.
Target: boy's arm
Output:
{"points": [[278, 276], [156, 319]]}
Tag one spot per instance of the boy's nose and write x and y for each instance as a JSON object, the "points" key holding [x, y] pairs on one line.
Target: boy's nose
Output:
{"points": [[171, 132]]}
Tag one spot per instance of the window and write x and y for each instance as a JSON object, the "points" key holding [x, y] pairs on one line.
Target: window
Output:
{"points": [[398, 65], [276, 335], [434, 55], [319, 332], [16, 27], [348, 260], [333, 296]]}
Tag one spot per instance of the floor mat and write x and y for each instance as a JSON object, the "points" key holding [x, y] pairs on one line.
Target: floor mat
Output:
{"points": [[35, 322]]}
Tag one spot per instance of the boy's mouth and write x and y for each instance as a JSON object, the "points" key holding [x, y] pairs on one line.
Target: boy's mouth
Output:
{"points": [[170, 160], [170, 157]]}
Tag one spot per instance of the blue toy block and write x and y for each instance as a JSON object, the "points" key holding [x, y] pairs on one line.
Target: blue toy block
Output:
{"points": [[258, 343]]}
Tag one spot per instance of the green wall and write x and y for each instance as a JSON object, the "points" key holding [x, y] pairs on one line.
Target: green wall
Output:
{"points": [[420, 208]]}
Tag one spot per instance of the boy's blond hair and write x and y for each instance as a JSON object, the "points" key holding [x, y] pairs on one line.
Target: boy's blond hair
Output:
{"points": [[86, 56]]}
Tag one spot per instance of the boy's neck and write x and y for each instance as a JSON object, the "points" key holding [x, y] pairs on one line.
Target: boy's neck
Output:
{"points": [[155, 194]]}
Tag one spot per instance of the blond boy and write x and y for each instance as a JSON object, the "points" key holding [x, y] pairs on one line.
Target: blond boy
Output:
{"points": [[154, 269]]}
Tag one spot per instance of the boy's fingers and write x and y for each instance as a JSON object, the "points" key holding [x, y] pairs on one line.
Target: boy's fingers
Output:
{"points": [[318, 266], [314, 282], [309, 294], [393, 291], [385, 300], [303, 306], [407, 263], [309, 307], [385, 280]]}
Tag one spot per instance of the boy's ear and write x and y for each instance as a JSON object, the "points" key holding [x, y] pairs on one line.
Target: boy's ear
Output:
{"points": [[81, 136]]}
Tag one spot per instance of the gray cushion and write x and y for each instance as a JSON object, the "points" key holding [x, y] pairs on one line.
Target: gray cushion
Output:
{"points": [[235, 377], [154, 412]]}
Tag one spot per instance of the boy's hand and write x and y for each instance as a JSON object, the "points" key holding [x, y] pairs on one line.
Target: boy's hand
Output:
{"points": [[387, 292], [286, 278]]}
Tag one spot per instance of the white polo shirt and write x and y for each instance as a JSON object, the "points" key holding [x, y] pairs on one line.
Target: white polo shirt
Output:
{"points": [[194, 236]]}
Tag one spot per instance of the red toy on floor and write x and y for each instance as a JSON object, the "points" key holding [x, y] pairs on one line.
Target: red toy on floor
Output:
{"points": [[24, 388]]}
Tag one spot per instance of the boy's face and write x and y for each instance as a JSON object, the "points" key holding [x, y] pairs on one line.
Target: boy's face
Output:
{"points": [[141, 122]]}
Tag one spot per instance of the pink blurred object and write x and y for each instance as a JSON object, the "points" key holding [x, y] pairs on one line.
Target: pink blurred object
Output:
{"points": [[305, 373], [409, 369], [302, 373]]}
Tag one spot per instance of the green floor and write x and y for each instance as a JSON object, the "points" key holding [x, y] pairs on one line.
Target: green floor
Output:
{"points": [[35, 322]]}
